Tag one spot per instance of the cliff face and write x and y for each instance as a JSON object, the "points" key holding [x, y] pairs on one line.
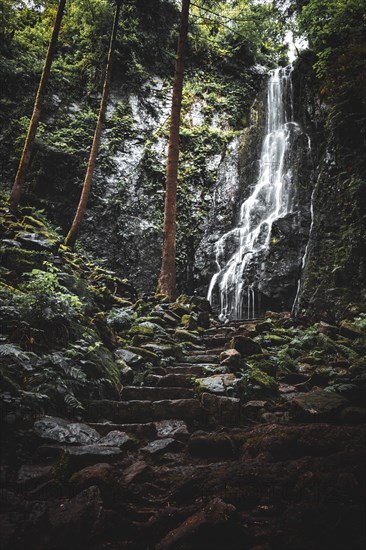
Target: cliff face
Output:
{"points": [[334, 275], [315, 263]]}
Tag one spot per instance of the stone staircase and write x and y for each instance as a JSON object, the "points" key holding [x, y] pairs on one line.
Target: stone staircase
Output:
{"points": [[163, 467], [170, 394]]}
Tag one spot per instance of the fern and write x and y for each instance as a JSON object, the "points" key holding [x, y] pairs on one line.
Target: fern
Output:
{"points": [[73, 402]]}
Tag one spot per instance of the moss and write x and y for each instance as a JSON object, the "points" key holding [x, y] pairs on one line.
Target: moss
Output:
{"points": [[19, 259], [146, 354], [142, 330], [186, 336]]}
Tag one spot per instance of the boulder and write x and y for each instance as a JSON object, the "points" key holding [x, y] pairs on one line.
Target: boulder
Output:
{"points": [[160, 446], [245, 345], [177, 429], [317, 406], [132, 359], [118, 439], [231, 358], [219, 410], [57, 429], [219, 384]]}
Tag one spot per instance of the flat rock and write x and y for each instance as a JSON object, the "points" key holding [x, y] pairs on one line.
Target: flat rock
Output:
{"points": [[317, 405], [181, 409], [60, 430], [177, 429], [211, 445], [116, 438], [218, 384], [132, 359], [33, 241], [160, 446]]}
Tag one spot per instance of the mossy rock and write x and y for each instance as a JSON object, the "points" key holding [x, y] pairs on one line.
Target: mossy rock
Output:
{"points": [[255, 383], [245, 345], [351, 330], [146, 354], [272, 340], [186, 336], [21, 260], [189, 322]]}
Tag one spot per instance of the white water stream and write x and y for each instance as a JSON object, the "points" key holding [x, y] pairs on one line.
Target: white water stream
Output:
{"points": [[231, 287]]}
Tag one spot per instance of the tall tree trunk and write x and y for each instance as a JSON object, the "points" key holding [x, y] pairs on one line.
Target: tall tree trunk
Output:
{"points": [[29, 141], [72, 234], [167, 280]]}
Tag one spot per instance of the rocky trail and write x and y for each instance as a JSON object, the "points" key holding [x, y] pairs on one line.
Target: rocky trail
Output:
{"points": [[183, 461]]}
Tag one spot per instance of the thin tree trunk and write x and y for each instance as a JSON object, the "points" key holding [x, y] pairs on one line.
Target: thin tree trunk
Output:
{"points": [[72, 234], [29, 141], [167, 280]]}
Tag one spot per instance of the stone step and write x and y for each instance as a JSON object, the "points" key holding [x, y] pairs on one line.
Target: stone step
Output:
{"points": [[174, 380], [142, 411], [154, 393], [211, 351], [201, 359], [219, 341], [140, 430], [194, 370]]}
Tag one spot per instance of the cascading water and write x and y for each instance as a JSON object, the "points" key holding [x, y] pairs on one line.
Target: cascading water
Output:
{"points": [[240, 252]]}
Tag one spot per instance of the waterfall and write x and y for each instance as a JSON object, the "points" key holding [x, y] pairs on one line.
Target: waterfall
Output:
{"points": [[240, 252]]}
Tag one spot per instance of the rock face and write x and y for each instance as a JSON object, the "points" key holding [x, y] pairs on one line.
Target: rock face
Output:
{"points": [[334, 273]]}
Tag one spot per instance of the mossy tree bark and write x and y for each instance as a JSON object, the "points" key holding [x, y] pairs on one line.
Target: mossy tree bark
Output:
{"points": [[167, 281], [18, 185], [75, 227]]}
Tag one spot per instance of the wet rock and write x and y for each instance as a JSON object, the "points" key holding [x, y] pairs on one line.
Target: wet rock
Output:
{"points": [[116, 439], [317, 406], [60, 430], [219, 384], [33, 241], [74, 522], [200, 525], [231, 358], [120, 319], [132, 359], [87, 455], [245, 346], [177, 429], [160, 446]]}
